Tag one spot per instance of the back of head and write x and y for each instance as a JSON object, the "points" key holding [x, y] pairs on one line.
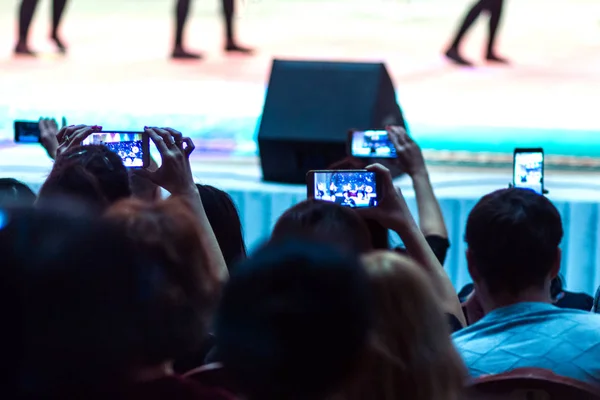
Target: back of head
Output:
{"points": [[80, 293], [324, 222], [513, 237], [293, 321], [13, 192], [92, 174], [166, 232], [411, 354], [225, 222]]}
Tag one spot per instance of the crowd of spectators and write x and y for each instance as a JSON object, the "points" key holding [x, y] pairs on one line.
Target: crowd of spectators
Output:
{"points": [[110, 291]]}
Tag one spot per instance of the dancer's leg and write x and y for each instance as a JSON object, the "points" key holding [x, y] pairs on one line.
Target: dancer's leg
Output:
{"points": [[470, 18], [495, 10], [26, 12], [228, 15], [182, 11], [58, 8]]}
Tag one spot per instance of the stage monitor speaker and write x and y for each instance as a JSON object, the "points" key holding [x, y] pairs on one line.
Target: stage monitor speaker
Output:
{"points": [[309, 108]]}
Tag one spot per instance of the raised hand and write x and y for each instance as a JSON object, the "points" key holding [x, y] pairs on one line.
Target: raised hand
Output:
{"points": [[409, 153], [175, 172], [392, 212], [48, 135], [72, 136]]}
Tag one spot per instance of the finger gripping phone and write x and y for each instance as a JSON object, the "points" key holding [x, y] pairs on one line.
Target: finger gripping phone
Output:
{"points": [[348, 188], [132, 147], [371, 144], [528, 169], [27, 132]]}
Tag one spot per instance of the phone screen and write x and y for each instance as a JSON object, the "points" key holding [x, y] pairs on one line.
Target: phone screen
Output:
{"points": [[27, 132], [356, 189], [529, 170], [129, 146], [372, 144]]}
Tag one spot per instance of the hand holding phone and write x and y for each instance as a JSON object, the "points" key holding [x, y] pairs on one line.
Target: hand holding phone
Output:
{"points": [[528, 169], [392, 211], [409, 154], [348, 188]]}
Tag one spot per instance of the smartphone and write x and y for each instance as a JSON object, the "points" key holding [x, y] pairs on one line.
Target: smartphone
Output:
{"points": [[349, 188], [528, 169], [371, 144], [27, 132], [132, 147]]}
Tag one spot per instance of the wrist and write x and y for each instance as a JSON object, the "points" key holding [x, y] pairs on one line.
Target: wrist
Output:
{"points": [[419, 173], [186, 191], [403, 226]]}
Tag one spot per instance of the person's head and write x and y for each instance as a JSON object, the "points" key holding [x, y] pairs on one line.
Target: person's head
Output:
{"points": [[325, 222], [92, 174], [513, 237], [13, 192], [81, 290], [293, 321], [411, 355], [166, 232], [225, 222]]}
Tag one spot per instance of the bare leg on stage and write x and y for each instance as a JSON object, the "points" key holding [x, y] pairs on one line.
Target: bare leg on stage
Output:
{"points": [[494, 8], [230, 43], [58, 9], [26, 12], [182, 12]]}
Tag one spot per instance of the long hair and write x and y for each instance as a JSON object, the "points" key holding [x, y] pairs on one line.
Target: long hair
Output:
{"points": [[166, 231], [411, 355], [225, 223]]}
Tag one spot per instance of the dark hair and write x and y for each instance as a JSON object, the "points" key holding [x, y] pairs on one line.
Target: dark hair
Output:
{"points": [[293, 321], [225, 223], [325, 222], [13, 192], [166, 231], [81, 292], [92, 174], [513, 237]]}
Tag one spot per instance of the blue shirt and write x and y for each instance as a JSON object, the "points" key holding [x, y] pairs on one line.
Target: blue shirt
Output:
{"points": [[535, 335]]}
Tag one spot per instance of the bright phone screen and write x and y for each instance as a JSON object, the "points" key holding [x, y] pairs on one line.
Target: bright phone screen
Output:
{"points": [[529, 171], [129, 146], [372, 144], [350, 189]]}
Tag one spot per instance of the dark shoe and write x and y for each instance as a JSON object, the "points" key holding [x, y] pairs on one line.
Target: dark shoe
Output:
{"points": [[181, 54], [493, 58], [21, 49], [59, 44], [234, 48], [453, 55]]}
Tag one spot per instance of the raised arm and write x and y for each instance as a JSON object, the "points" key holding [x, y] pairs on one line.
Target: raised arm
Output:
{"points": [[431, 220], [175, 175], [393, 213]]}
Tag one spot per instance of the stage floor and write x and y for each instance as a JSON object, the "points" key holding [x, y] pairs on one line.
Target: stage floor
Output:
{"points": [[118, 75]]}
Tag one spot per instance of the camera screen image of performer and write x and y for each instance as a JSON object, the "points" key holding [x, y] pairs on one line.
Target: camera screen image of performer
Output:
{"points": [[374, 144], [127, 145], [350, 189], [529, 171]]}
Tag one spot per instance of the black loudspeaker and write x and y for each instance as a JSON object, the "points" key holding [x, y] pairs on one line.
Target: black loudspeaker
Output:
{"points": [[310, 107]]}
